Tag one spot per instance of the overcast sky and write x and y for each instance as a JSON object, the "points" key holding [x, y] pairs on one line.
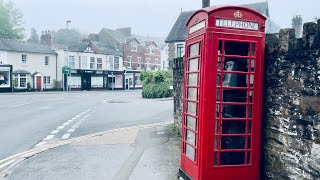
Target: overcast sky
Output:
{"points": [[146, 17]]}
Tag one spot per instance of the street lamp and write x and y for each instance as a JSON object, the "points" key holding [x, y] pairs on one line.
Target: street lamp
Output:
{"points": [[67, 22]]}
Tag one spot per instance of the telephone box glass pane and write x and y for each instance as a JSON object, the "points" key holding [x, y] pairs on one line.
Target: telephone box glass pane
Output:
{"points": [[218, 110], [194, 64], [249, 143], [192, 108], [219, 63], [250, 96], [191, 122], [216, 142], [219, 79], [253, 49], [250, 127], [234, 80], [234, 111], [216, 158], [190, 152], [237, 48], [232, 158], [252, 65], [236, 64], [234, 95], [191, 137], [250, 111], [194, 50], [193, 94], [217, 126], [251, 80], [220, 47], [249, 158], [193, 79], [234, 127], [233, 142]]}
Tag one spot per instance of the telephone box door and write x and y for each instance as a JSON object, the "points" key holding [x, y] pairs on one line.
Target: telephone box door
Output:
{"points": [[237, 84]]}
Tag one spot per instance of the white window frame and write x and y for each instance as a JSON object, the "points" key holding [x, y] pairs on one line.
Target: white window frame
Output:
{"points": [[24, 59], [129, 61], [134, 47], [46, 80], [92, 63], [116, 65], [180, 50], [18, 77], [99, 64], [111, 61], [139, 62], [84, 62], [46, 60], [152, 49], [148, 63], [71, 62]]}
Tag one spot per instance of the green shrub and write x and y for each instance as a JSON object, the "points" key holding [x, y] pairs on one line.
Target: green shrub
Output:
{"points": [[156, 84]]}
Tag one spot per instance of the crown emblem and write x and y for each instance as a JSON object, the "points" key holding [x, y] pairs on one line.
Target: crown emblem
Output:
{"points": [[237, 14]]}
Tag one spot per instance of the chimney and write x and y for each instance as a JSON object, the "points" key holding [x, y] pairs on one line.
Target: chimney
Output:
{"points": [[205, 3], [46, 38]]}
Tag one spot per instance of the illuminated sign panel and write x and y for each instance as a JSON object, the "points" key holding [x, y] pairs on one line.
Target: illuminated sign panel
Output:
{"points": [[237, 24], [197, 27]]}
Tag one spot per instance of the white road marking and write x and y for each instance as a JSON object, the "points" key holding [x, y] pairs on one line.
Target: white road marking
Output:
{"points": [[41, 143], [71, 130], [161, 133], [54, 131], [60, 127], [66, 123], [48, 137], [66, 136], [20, 105]]}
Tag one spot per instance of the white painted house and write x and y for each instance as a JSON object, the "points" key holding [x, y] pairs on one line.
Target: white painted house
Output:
{"points": [[92, 66], [34, 65]]}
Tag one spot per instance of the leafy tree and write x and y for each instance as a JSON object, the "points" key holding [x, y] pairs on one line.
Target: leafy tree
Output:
{"points": [[66, 36], [34, 36], [10, 21]]}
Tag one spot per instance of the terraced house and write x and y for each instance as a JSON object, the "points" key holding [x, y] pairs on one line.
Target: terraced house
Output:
{"points": [[34, 65]]}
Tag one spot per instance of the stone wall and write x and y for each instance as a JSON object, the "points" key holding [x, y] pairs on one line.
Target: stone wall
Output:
{"points": [[292, 105], [177, 70]]}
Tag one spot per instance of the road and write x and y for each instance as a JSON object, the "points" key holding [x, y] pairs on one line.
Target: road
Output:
{"points": [[36, 119]]}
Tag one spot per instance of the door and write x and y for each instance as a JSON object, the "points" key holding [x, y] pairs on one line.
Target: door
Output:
{"points": [[38, 82], [127, 83], [190, 155], [234, 149], [86, 82]]}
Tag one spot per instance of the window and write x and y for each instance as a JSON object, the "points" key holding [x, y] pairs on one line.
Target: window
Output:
{"points": [[134, 47], [99, 63], [46, 60], [163, 64], [92, 63], [111, 62], [84, 62], [156, 61], [46, 79], [20, 80], [148, 63], [71, 62], [117, 47], [152, 49], [139, 62], [24, 59], [129, 62], [116, 63], [180, 50]]}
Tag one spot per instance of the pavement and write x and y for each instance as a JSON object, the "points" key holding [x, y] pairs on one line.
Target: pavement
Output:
{"points": [[149, 151]]}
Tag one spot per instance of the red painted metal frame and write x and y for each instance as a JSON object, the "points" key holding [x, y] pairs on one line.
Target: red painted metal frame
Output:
{"points": [[203, 167]]}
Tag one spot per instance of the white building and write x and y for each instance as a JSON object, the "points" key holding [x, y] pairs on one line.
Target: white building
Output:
{"points": [[34, 65], [92, 66], [165, 57]]}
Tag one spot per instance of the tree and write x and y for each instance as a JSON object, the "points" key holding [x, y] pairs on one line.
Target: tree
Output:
{"points": [[66, 36], [10, 21], [34, 36]]}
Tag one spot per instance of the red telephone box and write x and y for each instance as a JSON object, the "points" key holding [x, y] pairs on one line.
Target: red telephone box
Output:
{"points": [[222, 94]]}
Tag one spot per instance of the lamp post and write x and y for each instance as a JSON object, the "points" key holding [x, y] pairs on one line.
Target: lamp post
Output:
{"points": [[67, 23]]}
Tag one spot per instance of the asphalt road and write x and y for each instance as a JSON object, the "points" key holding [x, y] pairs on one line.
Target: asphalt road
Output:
{"points": [[36, 119]]}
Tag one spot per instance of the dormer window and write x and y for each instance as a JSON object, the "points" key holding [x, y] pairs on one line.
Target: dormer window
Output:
{"points": [[152, 49], [117, 47], [134, 46]]}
